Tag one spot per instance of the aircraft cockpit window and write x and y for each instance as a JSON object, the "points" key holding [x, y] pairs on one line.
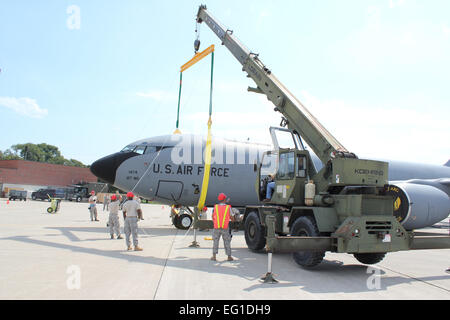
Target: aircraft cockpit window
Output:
{"points": [[128, 149], [150, 149], [140, 149]]}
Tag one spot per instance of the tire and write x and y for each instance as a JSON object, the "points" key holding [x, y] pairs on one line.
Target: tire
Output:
{"points": [[255, 233], [184, 221], [306, 227], [176, 221], [33, 198], [49, 210], [369, 258], [78, 199]]}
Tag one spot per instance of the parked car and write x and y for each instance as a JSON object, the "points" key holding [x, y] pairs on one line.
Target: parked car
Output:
{"points": [[43, 194], [17, 194]]}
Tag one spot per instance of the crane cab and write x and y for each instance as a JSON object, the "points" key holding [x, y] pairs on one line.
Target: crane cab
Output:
{"points": [[284, 171]]}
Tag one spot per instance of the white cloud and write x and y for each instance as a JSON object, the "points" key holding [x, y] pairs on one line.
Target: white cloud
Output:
{"points": [[24, 106]]}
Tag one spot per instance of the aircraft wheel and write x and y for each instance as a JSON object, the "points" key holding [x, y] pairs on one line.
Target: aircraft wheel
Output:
{"points": [[184, 221], [49, 210], [176, 221], [369, 258], [306, 227], [255, 233]]}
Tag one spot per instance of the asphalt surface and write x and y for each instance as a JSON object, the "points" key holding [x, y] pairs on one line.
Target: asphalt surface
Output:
{"points": [[66, 256]]}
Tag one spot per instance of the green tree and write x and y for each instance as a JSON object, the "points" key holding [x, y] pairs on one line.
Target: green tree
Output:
{"points": [[40, 153], [29, 151], [10, 155]]}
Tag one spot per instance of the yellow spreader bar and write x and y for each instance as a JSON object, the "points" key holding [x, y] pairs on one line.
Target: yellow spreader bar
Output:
{"points": [[197, 58]]}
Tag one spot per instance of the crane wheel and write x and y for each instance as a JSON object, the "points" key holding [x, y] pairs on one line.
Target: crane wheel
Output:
{"points": [[369, 258], [255, 233], [306, 227]]}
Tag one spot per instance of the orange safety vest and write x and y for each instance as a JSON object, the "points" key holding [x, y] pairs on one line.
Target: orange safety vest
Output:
{"points": [[221, 216]]}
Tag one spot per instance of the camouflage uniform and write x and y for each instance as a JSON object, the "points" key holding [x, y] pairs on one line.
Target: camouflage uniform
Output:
{"points": [[131, 228], [113, 222], [93, 207], [225, 233], [130, 225]]}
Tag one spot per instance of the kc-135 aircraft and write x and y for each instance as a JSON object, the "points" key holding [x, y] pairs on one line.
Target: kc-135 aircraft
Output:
{"points": [[169, 170]]}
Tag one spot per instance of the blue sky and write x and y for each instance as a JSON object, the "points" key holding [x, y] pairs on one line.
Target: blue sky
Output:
{"points": [[375, 73]]}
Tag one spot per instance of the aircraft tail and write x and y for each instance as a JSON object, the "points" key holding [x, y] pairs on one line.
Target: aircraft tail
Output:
{"points": [[447, 164]]}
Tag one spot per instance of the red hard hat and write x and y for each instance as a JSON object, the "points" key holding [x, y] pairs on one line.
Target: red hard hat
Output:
{"points": [[130, 195], [221, 197], [113, 197]]}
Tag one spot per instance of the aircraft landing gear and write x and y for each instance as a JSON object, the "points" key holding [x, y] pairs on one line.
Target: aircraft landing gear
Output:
{"points": [[182, 219]]}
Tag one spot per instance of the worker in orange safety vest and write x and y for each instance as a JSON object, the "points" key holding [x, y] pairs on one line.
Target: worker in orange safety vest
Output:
{"points": [[221, 217]]}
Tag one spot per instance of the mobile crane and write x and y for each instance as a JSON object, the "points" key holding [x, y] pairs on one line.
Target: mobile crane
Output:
{"points": [[342, 208]]}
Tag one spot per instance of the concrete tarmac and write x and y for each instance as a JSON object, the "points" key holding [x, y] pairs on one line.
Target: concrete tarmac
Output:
{"points": [[66, 256]]}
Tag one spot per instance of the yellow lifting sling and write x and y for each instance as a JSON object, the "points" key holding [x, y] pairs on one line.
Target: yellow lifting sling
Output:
{"points": [[197, 57]]}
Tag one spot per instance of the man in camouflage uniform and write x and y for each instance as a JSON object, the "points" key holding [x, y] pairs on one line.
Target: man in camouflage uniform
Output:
{"points": [[113, 222], [221, 218], [93, 206], [131, 212]]}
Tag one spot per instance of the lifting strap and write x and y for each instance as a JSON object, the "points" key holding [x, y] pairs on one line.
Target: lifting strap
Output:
{"points": [[197, 57]]}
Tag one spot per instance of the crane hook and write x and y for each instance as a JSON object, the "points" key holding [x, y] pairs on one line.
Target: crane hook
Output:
{"points": [[197, 40]]}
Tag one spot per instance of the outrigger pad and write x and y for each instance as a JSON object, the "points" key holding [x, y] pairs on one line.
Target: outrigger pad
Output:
{"points": [[268, 278], [194, 244]]}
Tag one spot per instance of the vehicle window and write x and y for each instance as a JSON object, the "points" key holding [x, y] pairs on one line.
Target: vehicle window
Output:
{"points": [[301, 166], [285, 139], [286, 167], [269, 164]]}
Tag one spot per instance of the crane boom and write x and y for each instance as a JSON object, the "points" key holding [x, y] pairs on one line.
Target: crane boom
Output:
{"points": [[298, 118]]}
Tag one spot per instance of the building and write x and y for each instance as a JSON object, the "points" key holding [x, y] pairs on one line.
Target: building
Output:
{"points": [[31, 176]]}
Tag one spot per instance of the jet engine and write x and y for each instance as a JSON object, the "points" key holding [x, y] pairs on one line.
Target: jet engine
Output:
{"points": [[417, 205]]}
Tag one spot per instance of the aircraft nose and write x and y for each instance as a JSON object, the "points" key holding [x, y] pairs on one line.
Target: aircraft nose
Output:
{"points": [[106, 167]]}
